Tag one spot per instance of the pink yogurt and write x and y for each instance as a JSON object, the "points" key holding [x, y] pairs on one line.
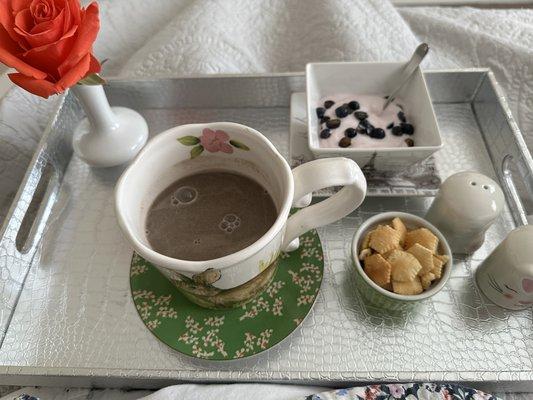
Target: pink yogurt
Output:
{"points": [[372, 105]]}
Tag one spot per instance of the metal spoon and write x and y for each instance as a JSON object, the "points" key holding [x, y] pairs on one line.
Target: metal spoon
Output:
{"points": [[411, 66]]}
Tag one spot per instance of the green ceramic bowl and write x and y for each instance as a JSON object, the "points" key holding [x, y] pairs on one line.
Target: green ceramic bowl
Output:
{"points": [[380, 297]]}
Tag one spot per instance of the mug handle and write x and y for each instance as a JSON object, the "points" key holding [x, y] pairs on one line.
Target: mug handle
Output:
{"points": [[319, 174]]}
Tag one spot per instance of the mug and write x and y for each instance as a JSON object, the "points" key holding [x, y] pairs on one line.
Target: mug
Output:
{"points": [[506, 275], [188, 149]]}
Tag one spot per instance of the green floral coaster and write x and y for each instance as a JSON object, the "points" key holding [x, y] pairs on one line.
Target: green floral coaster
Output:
{"points": [[234, 333]]}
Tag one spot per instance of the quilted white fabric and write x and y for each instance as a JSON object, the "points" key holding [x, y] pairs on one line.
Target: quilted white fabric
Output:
{"points": [[499, 39]]}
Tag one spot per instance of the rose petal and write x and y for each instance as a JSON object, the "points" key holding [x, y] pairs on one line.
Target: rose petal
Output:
{"points": [[18, 5], [47, 25], [43, 10], [48, 36], [6, 20], [75, 10], [85, 37], [23, 22], [48, 57], [9, 52], [94, 67], [74, 74], [221, 135], [68, 18], [40, 87]]}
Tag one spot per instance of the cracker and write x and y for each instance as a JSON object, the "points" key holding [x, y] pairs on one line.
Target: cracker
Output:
{"points": [[437, 267], [443, 257], [364, 254], [366, 241], [399, 226], [405, 267], [427, 280], [384, 239], [424, 257], [422, 236], [409, 288], [378, 269]]}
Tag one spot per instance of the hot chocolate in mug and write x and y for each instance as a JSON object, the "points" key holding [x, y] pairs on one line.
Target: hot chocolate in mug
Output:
{"points": [[224, 146]]}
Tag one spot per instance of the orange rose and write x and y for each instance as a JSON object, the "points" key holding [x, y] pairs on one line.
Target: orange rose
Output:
{"points": [[49, 43]]}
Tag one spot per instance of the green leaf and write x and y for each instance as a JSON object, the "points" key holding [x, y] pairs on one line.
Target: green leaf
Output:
{"points": [[239, 145], [93, 79], [196, 151], [189, 140]]}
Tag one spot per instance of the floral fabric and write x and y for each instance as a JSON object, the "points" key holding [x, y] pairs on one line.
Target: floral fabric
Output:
{"points": [[412, 391]]}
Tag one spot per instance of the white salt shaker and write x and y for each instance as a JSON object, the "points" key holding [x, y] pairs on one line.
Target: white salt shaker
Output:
{"points": [[506, 275], [465, 207]]}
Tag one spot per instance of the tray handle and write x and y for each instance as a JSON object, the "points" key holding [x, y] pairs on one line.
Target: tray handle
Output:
{"points": [[42, 198], [518, 210]]}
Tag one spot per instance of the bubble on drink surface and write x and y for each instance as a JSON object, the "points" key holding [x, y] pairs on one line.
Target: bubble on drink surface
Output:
{"points": [[229, 223], [183, 196]]}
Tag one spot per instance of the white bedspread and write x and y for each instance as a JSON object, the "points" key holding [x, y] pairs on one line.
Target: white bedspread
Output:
{"points": [[171, 37]]}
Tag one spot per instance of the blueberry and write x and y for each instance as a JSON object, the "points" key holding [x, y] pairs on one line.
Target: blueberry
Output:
{"points": [[324, 119], [333, 123], [325, 133], [410, 142], [408, 129], [342, 111], [345, 142], [365, 123], [360, 115], [354, 105], [328, 103], [401, 116], [377, 133], [389, 126], [350, 132], [361, 129], [397, 130], [320, 112]]}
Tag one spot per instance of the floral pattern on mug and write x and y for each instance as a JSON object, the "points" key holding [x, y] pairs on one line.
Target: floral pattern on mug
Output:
{"points": [[213, 141], [410, 391], [509, 293]]}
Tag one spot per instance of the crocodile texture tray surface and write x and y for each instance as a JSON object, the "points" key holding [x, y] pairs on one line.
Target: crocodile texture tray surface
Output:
{"points": [[74, 322]]}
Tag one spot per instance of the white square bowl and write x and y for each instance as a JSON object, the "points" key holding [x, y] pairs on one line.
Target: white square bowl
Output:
{"points": [[376, 78]]}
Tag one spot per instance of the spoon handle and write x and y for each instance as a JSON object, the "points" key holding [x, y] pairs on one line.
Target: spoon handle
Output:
{"points": [[411, 66]]}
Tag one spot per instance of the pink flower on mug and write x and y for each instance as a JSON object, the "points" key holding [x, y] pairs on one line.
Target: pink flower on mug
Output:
{"points": [[215, 141]]}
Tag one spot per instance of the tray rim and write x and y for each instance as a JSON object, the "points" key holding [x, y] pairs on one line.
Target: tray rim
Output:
{"points": [[520, 380], [117, 78]]}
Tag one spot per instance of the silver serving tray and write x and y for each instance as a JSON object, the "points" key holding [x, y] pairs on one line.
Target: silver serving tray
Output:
{"points": [[67, 318]]}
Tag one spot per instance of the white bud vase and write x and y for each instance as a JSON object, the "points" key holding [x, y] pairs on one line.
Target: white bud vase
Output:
{"points": [[109, 136]]}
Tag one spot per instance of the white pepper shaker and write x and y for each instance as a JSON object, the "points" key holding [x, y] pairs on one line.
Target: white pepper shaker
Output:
{"points": [[465, 207]]}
